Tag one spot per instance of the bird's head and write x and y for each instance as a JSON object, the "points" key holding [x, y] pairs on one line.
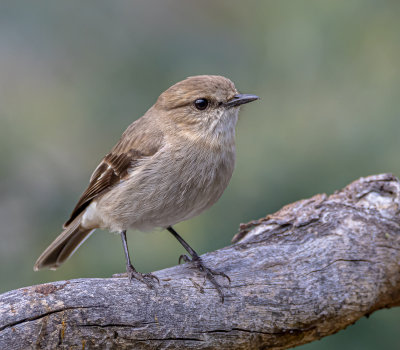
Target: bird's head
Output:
{"points": [[207, 105]]}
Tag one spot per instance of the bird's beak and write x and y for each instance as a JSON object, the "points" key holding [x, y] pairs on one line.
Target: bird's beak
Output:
{"points": [[241, 99]]}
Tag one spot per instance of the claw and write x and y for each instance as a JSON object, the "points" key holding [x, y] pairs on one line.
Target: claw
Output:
{"points": [[150, 275], [132, 274], [221, 274], [208, 273], [185, 258]]}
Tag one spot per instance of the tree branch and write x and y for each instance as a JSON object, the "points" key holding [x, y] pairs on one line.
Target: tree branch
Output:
{"points": [[305, 272]]}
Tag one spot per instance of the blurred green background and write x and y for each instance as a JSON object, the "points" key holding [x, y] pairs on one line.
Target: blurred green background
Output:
{"points": [[74, 75]]}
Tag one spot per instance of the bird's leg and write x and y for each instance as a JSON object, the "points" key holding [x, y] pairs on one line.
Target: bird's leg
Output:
{"points": [[197, 262], [130, 270]]}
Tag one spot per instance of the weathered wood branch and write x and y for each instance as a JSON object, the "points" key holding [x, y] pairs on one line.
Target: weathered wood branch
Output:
{"points": [[303, 273]]}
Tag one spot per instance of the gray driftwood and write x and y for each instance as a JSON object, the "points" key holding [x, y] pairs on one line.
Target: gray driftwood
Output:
{"points": [[303, 273]]}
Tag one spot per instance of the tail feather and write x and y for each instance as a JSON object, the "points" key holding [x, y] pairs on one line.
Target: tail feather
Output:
{"points": [[63, 246]]}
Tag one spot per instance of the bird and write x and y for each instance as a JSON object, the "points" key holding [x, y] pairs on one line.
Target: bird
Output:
{"points": [[169, 165]]}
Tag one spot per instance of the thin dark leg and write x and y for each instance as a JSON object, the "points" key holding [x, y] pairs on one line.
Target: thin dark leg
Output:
{"points": [[198, 263], [130, 270], [189, 249], [126, 250]]}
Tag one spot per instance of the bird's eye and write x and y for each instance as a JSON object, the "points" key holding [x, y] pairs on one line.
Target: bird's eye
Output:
{"points": [[201, 103]]}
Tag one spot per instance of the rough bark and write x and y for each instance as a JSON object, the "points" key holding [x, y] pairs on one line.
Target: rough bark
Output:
{"points": [[305, 272]]}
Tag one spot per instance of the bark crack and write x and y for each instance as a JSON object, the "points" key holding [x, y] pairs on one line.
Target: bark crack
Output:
{"points": [[334, 262], [38, 317]]}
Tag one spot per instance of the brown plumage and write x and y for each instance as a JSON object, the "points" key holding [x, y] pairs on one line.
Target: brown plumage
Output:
{"points": [[168, 166]]}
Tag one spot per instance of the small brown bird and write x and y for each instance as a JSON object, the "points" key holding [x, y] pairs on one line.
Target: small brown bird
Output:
{"points": [[169, 165]]}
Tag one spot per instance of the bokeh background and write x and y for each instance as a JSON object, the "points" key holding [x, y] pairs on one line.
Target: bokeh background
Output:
{"points": [[74, 75]]}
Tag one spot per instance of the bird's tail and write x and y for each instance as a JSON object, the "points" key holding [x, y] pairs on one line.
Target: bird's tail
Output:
{"points": [[63, 246]]}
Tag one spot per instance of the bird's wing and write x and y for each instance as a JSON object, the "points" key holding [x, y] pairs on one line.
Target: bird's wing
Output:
{"points": [[115, 165]]}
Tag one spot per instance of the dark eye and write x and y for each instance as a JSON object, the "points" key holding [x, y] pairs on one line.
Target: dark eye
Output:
{"points": [[201, 103]]}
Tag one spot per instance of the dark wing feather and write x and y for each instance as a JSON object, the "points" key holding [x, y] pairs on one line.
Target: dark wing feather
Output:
{"points": [[110, 171], [116, 164]]}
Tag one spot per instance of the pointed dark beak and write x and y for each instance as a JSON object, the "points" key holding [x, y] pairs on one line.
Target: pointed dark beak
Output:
{"points": [[241, 99]]}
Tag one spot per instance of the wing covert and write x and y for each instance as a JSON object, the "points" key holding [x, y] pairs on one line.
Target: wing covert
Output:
{"points": [[141, 139]]}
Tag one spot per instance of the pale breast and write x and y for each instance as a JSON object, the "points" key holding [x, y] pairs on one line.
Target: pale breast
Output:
{"points": [[167, 188]]}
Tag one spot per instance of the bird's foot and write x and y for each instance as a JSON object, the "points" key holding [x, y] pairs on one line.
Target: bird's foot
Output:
{"points": [[146, 278], [207, 272]]}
